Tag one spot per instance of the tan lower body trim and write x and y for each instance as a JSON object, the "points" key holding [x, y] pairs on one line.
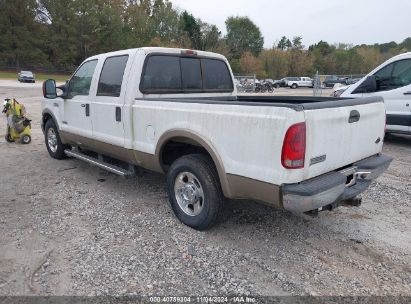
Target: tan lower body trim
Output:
{"points": [[248, 188], [141, 159], [239, 187]]}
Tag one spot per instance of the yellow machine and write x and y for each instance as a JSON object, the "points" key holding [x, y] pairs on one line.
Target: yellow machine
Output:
{"points": [[18, 125]]}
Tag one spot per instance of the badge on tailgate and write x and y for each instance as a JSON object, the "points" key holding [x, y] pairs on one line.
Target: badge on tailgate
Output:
{"points": [[318, 159]]}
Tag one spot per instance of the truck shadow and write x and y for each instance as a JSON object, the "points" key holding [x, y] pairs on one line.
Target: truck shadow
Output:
{"points": [[398, 140]]}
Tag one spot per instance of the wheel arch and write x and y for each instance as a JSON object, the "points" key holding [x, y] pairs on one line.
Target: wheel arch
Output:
{"points": [[192, 139], [46, 115]]}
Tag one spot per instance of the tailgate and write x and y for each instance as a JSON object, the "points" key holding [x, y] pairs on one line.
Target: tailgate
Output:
{"points": [[341, 135]]}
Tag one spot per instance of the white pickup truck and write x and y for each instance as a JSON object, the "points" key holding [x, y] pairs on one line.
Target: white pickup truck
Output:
{"points": [[176, 112], [299, 82]]}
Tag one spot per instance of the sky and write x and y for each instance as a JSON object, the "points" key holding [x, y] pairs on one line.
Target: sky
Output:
{"points": [[334, 21]]}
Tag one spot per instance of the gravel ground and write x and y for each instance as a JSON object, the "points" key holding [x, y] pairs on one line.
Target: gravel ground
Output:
{"points": [[67, 228]]}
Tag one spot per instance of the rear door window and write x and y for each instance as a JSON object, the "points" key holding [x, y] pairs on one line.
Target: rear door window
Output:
{"points": [[111, 76]]}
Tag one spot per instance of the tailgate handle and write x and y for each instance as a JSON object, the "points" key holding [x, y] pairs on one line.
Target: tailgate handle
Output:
{"points": [[354, 116]]}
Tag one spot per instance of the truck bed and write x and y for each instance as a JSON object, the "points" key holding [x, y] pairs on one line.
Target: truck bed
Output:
{"points": [[298, 103]]}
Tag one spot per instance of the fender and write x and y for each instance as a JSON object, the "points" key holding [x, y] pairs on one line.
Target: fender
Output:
{"points": [[200, 141], [53, 117]]}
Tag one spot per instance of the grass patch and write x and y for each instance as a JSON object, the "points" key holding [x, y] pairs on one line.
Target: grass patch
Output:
{"points": [[38, 76]]}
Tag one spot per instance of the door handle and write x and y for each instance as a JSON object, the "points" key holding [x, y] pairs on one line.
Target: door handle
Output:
{"points": [[407, 93], [87, 106], [354, 116], [118, 114]]}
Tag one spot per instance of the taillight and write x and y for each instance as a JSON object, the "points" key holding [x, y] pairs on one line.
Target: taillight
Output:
{"points": [[293, 153]]}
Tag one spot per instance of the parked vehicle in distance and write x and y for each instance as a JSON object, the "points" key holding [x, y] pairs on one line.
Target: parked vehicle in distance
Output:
{"points": [[176, 112], [331, 80], [392, 81], [295, 82], [282, 83], [26, 76], [352, 80]]}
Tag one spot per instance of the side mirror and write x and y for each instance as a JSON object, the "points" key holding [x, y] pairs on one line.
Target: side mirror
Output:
{"points": [[49, 89], [369, 85]]}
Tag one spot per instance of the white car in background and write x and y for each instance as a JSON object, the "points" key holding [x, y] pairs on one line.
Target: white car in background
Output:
{"points": [[295, 82], [392, 81]]}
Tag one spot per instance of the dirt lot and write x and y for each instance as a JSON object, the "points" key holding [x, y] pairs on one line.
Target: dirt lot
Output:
{"points": [[67, 228]]}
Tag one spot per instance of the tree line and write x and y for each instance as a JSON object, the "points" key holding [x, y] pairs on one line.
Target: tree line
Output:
{"points": [[60, 34]]}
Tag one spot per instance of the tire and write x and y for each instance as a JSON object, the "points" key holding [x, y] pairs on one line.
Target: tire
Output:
{"points": [[53, 142], [194, 191], [277, 86], [294, 86], [26, 139], [9, 138]]}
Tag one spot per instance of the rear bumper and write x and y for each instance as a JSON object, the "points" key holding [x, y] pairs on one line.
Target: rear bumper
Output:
{"points": [[334, 187]]}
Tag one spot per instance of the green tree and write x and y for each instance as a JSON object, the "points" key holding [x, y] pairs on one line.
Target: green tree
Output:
{"points": [[243, 35], [275, 62], [300, 62], [284, 43], [210, 37], [193, 29], [166, 24], [297, 43], [20, 34]]}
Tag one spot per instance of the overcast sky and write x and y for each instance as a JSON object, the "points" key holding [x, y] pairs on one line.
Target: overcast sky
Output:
{"points": [[348, 21]]}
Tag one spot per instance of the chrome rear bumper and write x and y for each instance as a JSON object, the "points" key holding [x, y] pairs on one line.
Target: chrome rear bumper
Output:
{"points": [[333, 187]]}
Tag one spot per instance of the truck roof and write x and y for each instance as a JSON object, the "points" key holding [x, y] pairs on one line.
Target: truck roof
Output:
{"points": [[164, 50]]}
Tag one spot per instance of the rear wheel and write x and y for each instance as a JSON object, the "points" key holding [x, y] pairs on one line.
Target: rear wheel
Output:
{"points": [[194, 191], [9, 138], [53, 142], [294, 86]]}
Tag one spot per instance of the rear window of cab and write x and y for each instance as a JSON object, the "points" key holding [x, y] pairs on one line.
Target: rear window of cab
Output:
{"points": [[168, 74]]}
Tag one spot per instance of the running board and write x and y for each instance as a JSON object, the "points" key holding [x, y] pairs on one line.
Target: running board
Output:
{"points": [[101, 164]]}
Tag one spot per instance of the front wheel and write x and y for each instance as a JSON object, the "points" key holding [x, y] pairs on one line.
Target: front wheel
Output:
{"points": [[53, 142], [194, 191], [294, 86]]}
